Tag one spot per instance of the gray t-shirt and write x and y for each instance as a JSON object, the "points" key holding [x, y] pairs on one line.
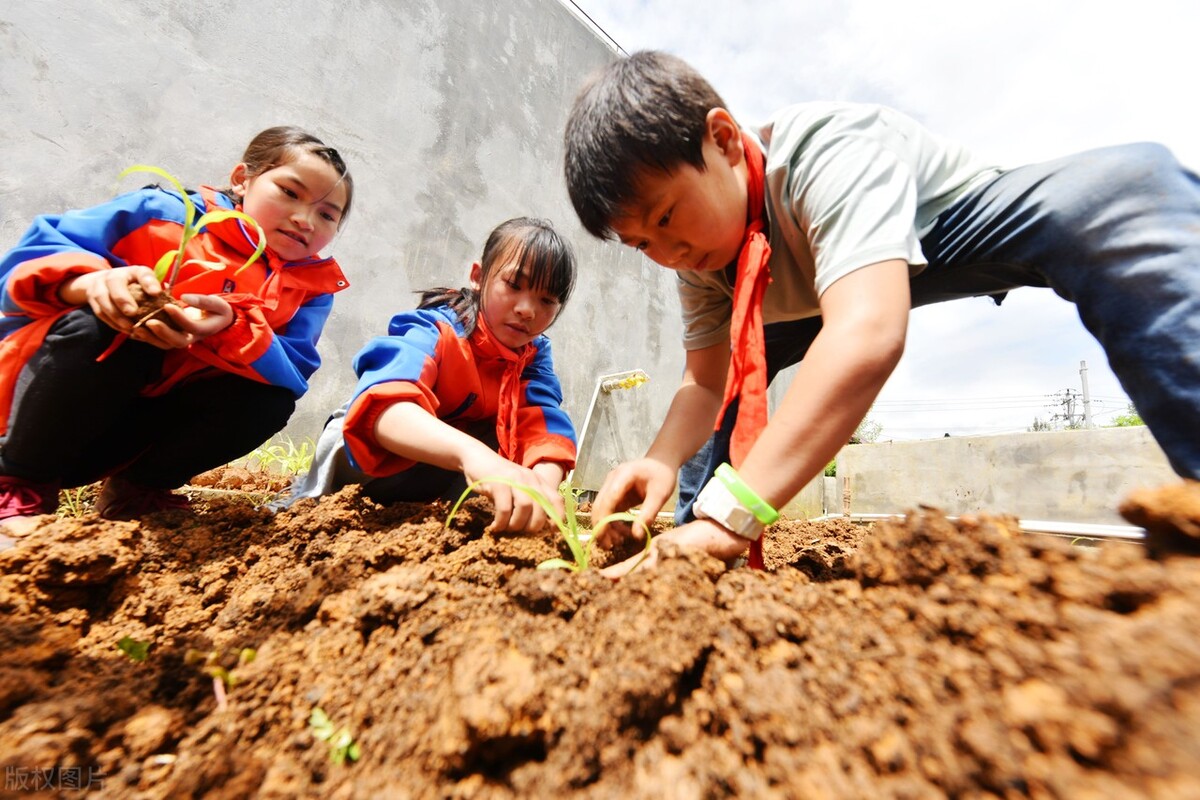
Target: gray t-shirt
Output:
{"points": [[847, 186]]}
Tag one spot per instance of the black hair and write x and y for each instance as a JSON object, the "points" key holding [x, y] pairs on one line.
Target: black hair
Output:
{"points": [[647, 110], [543, 258]]}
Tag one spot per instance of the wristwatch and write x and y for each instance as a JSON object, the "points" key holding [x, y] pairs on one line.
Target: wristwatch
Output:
{"points": [[733, 505]]}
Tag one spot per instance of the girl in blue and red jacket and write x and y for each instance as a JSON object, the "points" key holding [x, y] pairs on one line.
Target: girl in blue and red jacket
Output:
{"points": [[86, 393], [462, 388]]}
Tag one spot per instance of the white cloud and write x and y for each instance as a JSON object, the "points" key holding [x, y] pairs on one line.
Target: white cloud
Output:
{"points": [[1018, 81]]}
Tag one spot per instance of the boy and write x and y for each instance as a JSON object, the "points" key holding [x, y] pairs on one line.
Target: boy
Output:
{"points": [[844, 218]]}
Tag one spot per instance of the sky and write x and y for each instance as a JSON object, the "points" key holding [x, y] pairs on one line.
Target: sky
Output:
{"points": [[1017, 81]]}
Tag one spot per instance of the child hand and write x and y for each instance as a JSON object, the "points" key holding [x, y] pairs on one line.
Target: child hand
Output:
{"points": [[514, 509], [645, 482], [107, 293], [703, 535], [203, 315]]}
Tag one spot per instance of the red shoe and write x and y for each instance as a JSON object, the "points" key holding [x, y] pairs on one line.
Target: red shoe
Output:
{"points": [[122, 499], [21, 502], [22, 498]]}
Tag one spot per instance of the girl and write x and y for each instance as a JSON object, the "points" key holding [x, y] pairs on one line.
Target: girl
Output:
{"points": [[462, 388], [86, 393]]}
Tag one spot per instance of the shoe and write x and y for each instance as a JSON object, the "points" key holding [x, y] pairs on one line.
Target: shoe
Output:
{"points": [[122, 499], [22, 504]]}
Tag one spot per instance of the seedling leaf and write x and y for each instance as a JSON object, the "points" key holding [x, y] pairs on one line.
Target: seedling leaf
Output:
{"points": [[342, 747], [169, 264], [137, 651]]}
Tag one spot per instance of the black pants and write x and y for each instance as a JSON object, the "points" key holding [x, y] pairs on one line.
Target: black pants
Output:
{"points": [[75, 420]]}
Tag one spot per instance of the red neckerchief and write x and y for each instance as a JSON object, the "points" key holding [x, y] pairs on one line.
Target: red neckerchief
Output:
{"points": [[509, 400], [748, 355]]}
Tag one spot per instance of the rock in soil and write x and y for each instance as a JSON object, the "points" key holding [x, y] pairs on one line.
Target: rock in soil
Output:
{"points": [[918, 658]]}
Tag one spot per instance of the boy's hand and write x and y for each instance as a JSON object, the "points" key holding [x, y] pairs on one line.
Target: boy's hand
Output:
{"points": [[702, 534], [645, 482]]}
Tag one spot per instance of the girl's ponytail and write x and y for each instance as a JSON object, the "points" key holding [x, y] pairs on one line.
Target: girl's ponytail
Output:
{"points": [[464, 302]]}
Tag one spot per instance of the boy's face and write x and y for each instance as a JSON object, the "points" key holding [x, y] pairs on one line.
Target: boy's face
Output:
{"points": [[691, 219]]}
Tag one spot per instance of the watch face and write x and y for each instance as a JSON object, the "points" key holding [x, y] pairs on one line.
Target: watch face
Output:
{"points": [[717, 503]]}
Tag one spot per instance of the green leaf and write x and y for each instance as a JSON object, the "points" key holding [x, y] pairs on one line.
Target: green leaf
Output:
{"points": [[189, 212], [137, 651]]}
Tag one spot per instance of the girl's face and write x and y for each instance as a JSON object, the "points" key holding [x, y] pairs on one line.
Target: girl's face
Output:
{"points": [[298, 204], [516, 313]]}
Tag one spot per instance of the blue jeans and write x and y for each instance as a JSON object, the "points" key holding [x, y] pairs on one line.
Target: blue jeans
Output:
{"points": [[1116, 231]]}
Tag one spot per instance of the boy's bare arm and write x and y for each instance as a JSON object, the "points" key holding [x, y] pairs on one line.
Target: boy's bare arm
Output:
{"points": [[649, 481], [864, 321]]}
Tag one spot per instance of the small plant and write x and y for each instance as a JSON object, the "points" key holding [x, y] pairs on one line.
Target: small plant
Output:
{"points": [[342, 747], [169, 264], [578, 541], [284, 456], [135, 650], [223, 678], [75, 502]]}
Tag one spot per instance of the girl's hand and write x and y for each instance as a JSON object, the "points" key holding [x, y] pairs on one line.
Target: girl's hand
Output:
{"points": [[204, 315], [514, 509], [107, 293]]}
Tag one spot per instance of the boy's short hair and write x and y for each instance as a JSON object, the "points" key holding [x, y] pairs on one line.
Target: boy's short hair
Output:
{"points": [[647, 110]]}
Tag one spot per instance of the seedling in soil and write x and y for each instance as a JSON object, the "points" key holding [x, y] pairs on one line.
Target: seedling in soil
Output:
{"points": [[169, 264], [137, 651], [342, 747], [284, 456], [579, 541], [76, 502], [223, 678]]}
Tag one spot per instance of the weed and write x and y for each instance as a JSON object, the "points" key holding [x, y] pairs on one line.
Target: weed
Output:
{"points": [[283, 456], [342, 747], [223, 678], [76, 502], [578, 541], [137, 651]]}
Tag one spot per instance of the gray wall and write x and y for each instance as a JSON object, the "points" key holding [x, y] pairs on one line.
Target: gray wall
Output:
{"points": [[1063, 476], [449, 113]]}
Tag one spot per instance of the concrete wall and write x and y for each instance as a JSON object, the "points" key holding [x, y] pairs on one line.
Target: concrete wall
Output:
{"points": [[448, 112], [1064, 476]]}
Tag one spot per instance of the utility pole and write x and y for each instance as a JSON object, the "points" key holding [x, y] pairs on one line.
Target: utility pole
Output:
{"points": [[1087, 398]]}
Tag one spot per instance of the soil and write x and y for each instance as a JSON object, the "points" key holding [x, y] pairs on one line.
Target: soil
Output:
{"points": [[152, 307], [919, 658]]}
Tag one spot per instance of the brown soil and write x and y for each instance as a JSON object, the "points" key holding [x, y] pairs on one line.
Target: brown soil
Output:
{"points": [[915, 659], [152, 307]]}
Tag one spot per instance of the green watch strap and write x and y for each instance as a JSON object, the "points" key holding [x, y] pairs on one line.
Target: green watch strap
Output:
{"points": [[761, 510]]}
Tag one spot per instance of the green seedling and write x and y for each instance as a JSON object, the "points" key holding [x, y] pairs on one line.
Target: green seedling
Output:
{"points": [[284, 456], [579, 541], [74, 502], [169, 264], [137, 651], [223, 678], [342, 747]]}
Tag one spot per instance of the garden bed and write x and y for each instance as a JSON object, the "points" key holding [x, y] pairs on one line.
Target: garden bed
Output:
{"points": [[917, 658]]}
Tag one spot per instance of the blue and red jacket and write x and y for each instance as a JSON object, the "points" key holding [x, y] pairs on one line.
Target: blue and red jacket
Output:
{"points": [[427, 359], [279, 307]]}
